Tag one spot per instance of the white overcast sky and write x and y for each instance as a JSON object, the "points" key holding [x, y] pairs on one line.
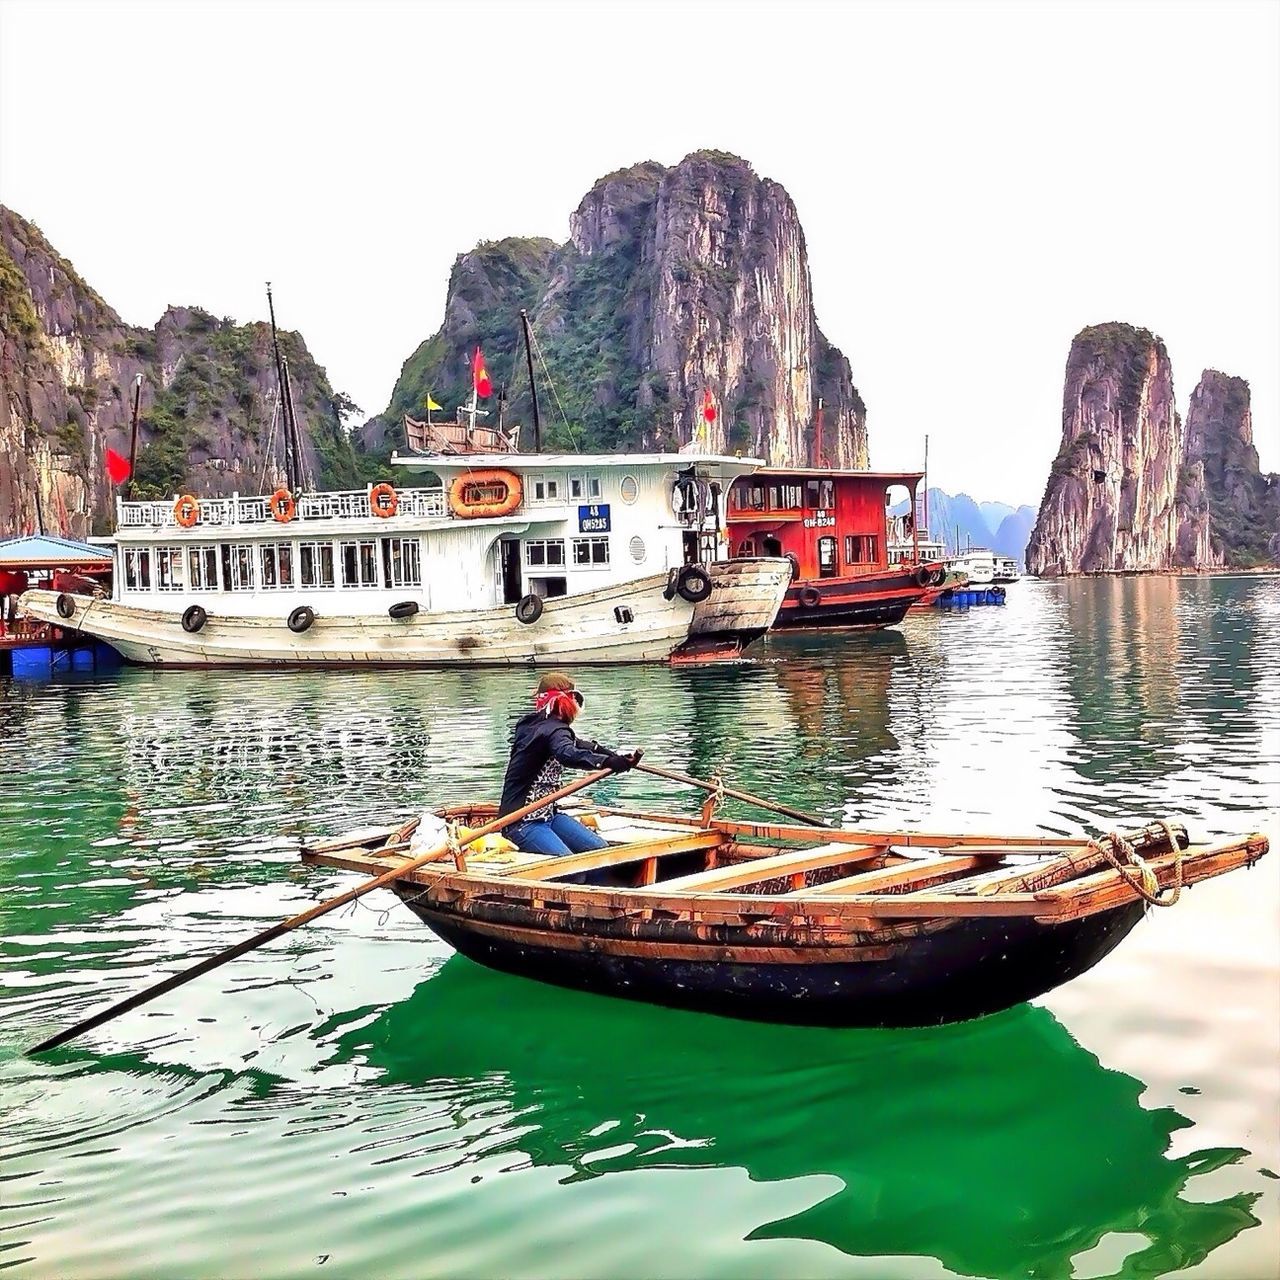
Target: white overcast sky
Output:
{"points": [[976, 181]]}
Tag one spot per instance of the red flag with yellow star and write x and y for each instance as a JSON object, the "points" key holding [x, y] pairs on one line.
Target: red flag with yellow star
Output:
{"points": [[708, 407], [480, 375]]}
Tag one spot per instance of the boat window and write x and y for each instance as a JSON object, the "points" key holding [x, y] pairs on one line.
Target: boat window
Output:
{"points": [[819, 495], [785, 497], [590, 552], [584, 486], [749, 497], [709, 548], [546, 488], [202, 568], [630, 488], [401, 562], [277, 565], [638, 551], [237, 566], [315, 559], [747, 547], [549, 588], [827, 566], [861, 549], [359, 564], [170, 575], [544, 551], [137, 569]]}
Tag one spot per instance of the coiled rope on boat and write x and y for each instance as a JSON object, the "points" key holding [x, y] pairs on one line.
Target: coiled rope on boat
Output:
{"points": [[1147, 885]]}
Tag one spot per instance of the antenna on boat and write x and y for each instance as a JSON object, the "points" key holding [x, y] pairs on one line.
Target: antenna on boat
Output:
{"points": [[926, 482], [289, 471], [533, 386]]}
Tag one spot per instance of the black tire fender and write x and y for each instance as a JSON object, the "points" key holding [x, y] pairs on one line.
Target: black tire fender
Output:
{"points": [[301, 618], [194, 618], [810, 597], [939, 577], [529, 610], [66, 606], [693, 584], [403, 609], [924, 576]]}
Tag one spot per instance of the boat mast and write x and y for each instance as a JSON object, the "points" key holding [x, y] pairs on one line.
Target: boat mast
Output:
{"points": [[280, 383], [926, 484], [300, 458], [533, 386], [133, 436]]}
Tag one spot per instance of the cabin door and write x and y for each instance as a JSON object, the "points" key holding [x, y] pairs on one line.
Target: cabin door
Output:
{"points": [[512, 586]]}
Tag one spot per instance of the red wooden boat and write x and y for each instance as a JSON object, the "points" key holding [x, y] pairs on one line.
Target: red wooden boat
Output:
{"points": [[831, 525]]}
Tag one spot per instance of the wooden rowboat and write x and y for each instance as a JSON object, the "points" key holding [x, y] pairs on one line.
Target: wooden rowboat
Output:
{"points": [[789, 923]]}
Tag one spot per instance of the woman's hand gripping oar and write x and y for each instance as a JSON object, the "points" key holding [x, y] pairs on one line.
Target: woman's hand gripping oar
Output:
{"points": [[772, 806], [294, 922]]}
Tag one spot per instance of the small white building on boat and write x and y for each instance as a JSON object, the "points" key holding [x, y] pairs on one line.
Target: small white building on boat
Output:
{"points": [[478, 559]]}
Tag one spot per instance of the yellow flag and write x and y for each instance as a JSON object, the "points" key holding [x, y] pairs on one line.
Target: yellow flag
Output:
{"points": [[431, 404]]}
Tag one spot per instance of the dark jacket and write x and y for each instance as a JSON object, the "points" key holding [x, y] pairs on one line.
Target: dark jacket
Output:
{"points": [[538, 738]]}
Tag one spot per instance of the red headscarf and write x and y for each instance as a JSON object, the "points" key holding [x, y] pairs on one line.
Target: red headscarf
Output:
{"points": [[560, 702]]}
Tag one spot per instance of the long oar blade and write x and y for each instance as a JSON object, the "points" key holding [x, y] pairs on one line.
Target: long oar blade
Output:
{"points": [[305, 917]]}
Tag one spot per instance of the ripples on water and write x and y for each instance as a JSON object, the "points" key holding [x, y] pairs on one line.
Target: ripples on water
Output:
{"points": [[355, 1097]]}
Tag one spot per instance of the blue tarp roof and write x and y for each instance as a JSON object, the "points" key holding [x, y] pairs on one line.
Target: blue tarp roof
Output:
{"points": [[44, 551]]}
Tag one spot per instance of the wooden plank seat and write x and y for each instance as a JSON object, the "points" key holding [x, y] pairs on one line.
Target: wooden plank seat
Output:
{"points": [[907, 874], [792, 863], [553, 868]]}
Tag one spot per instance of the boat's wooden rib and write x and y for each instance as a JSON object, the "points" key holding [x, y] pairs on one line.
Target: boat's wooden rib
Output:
{"points": [[792, 863], [898, 839], [553, 868]]}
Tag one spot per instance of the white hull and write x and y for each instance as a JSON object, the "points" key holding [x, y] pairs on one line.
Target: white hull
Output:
{"points": [[580, 628]]}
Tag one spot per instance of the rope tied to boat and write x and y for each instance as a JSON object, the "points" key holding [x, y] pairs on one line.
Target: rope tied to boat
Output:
{"points": [[1147, 884], [716, 798]]}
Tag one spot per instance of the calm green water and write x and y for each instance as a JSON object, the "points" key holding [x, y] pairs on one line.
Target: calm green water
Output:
{"points": [[357, 1101]]}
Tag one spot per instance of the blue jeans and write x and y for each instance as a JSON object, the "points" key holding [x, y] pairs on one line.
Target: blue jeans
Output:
{"points": [[559, 835]]}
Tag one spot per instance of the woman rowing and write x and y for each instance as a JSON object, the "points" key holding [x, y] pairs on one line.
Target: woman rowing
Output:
{"points": [[541, 745]]}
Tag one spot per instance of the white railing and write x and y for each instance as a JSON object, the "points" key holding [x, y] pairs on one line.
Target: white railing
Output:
{"points": [[351, 504]]}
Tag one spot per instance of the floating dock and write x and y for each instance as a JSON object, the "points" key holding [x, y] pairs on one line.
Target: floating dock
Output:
{"points": [[969, 597]]}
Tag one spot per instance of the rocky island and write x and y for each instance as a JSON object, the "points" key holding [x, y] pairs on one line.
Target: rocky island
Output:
{"points": [[1131, 491]]}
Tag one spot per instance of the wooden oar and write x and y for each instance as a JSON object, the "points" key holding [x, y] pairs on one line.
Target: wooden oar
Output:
{"points": [[294, 922], [771, 806]]}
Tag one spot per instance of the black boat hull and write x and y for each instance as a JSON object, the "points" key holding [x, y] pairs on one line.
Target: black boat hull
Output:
{"points": [[964, 970], [878, 600]]}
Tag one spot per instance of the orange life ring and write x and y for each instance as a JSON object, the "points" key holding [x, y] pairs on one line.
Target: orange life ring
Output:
{"points": [[485, 493], [186, 511], [383, 500], [282, 506]]}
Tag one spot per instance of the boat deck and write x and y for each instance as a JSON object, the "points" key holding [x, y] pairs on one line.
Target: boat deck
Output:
{"points": [[749, 872]]}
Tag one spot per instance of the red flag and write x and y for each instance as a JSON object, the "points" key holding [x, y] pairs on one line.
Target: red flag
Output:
{"points": [[480, 376], [117, 467], [708, 407]]}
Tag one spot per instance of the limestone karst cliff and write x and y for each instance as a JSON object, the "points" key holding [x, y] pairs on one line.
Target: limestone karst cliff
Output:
{"points": [[1111, 500], [674, 281], [1232, 510], [1130, 490], [67, 369]]}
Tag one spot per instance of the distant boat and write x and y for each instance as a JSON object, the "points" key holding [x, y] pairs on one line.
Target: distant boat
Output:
{"points": [[831, 525], [516, 559]]}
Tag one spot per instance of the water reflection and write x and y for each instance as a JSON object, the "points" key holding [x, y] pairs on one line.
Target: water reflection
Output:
{"points": [[1121, 669], [999, 1147]]}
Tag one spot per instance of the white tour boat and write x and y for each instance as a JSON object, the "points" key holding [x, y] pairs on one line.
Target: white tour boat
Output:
{"points": [[487, 559]]}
